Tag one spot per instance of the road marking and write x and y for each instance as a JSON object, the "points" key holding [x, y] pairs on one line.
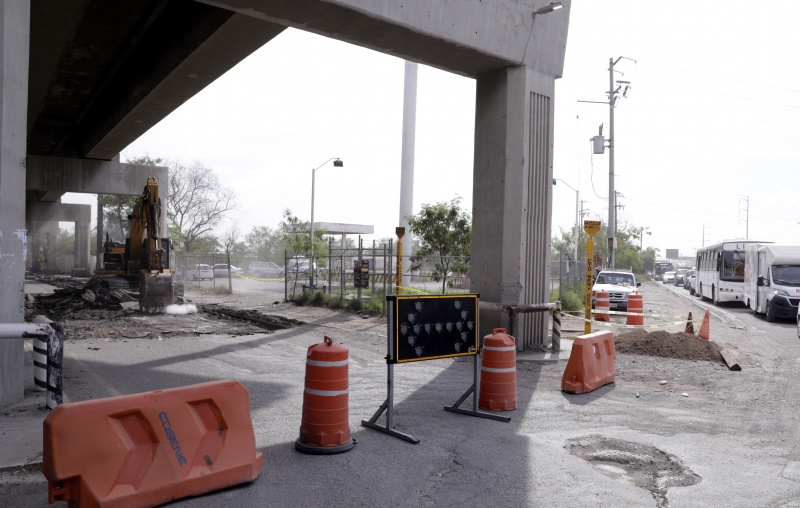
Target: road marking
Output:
{"points": [[720, 314]]}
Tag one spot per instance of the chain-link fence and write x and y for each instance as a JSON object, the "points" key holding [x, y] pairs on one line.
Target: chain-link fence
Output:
{"points": [[565, 274]]}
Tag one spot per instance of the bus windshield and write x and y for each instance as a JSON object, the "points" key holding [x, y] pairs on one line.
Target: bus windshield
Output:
{"points": [[786, 275], [732, 266], [661, 268]]}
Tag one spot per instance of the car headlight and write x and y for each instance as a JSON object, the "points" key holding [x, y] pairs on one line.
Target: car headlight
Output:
{"points": [[780, 292]]}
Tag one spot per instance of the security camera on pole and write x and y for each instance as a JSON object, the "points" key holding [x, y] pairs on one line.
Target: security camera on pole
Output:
{"points": [[598, 144]]}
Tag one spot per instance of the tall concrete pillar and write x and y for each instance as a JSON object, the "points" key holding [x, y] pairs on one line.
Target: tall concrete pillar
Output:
{"points": [[512, 195], [14, 44], [407, 160], [100, 234], [82, 245]]}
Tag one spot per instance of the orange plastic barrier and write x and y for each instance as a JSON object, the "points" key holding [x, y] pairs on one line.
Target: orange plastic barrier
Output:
{"points": [[602, 302], [635, 304], [591, 363], [704, 331], [150, 448], [498, 387], [325, 427], [689, 324]]}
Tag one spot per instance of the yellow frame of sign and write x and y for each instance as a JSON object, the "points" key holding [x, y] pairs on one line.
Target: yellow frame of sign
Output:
{"points": [[592, 227]]}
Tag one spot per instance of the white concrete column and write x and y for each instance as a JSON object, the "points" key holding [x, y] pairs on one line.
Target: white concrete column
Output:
{"points": [[100, 234], [14, 44], [512, 196], [407, 160]]}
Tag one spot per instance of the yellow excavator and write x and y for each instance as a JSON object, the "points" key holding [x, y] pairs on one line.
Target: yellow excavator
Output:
{"points": [[142, 262]]}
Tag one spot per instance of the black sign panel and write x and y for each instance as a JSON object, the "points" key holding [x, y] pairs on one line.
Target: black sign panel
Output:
{"points": [[433, 326], [361, 273]]}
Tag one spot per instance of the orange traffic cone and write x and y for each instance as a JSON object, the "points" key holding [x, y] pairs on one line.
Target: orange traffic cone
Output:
{"points": [[703, 333], [689, 324]]}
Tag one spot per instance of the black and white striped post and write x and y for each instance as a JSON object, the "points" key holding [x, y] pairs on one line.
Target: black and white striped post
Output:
{"points": [[48, 339], [557, 327]]}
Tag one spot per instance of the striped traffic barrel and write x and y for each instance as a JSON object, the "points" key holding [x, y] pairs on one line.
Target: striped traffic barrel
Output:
{"points": [[602, 302], [498, 386], [325, 428], [635, 304]]}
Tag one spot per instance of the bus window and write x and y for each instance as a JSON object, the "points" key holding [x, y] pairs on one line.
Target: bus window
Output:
{"points": [[733, 266]]}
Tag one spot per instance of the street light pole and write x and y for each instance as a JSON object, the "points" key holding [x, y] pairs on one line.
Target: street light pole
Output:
{"points": [[337, 163], [577, 214]]}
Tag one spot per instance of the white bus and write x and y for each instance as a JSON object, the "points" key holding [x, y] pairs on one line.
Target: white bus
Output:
{"points": [[720, 271]]}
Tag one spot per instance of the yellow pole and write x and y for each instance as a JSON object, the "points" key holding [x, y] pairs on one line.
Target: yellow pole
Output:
{"points": [[591, 227], [398, 280]]}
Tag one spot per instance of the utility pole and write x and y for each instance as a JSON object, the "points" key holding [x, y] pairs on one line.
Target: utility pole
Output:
{"points": [[747, 211]]}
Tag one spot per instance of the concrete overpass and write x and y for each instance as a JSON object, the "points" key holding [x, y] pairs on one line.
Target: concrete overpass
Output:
{"points": [[81, 80]]}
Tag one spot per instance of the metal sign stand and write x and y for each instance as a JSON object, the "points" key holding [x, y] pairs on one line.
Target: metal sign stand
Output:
{"points": [[473, 390], [388, 404]]}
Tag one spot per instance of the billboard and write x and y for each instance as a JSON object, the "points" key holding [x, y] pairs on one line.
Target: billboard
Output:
{"points": [[672, 254]]}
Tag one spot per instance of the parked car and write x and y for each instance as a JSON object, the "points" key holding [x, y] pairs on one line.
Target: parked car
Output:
{"points": [[669, 277], [265, 269], [688, 279], [679, 273], [200, 272], [221, 270], [299, 265], [618, 284]]}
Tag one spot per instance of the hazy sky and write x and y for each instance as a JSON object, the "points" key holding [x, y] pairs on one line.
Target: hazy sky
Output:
{"points": [[713, 115]]}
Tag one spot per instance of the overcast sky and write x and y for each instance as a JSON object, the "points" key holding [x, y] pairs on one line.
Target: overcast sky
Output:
{"points": [[713, 117]]}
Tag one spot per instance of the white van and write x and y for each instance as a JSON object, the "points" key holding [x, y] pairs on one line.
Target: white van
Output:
{"points": [[772, 279]]}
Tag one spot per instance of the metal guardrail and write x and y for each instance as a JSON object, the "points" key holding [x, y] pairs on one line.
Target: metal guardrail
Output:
{"points": [[515, 310]]}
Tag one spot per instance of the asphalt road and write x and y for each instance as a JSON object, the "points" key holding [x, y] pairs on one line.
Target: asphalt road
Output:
{"points": [[737, 431]]}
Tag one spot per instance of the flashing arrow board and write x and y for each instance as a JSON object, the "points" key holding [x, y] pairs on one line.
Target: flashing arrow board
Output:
{"points": [[592, 227]]}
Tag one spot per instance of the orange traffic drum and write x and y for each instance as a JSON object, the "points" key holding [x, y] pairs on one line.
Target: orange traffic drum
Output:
{"points": [[498, 386], [602, 301], [325, 429], [635, 304]]}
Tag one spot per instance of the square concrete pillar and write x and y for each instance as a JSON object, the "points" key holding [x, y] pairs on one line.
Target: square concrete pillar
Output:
{"points": [[512, 196], [14, 44], [82, 245]]}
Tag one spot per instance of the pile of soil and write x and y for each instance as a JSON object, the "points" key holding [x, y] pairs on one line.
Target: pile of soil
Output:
{"points": [[76, 296], [252, 316], [681, 346]]}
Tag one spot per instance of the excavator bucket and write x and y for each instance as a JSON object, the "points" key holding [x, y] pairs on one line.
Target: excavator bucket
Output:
{"points": [[155, 291]]}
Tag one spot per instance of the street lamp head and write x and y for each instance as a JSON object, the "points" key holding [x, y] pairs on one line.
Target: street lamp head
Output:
{"points": [[338, 163], [548, 8]]}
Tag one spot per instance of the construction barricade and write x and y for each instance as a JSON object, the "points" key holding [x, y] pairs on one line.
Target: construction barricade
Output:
{"points": [[150, 448], [591, 363], [602, 302], [498, 386], [635, 309], [325, 428]]}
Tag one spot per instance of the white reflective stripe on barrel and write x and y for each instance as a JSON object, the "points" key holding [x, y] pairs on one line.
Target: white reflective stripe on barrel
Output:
{"points": [[602, 299], [327, 393], [490, 348], [498, 371], [318, 363]]}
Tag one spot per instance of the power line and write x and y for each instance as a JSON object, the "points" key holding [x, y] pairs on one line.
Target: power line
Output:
{"points": [[723, 94]]}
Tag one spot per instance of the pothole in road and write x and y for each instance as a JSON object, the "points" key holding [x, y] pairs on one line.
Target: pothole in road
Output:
{"points": [[642, 465]]}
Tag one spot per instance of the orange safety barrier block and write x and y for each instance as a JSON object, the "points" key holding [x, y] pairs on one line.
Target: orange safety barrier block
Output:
{"points": [[602, 302], [635, 304], [498, 386], [150, 448], [704, 331], [591, 363], [325, 427]]}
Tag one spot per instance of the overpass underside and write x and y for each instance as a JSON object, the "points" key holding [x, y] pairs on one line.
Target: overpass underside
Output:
{"points": [[83, 79]]}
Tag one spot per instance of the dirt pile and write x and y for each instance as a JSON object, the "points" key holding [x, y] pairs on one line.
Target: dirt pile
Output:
{"points": [[76, 296], [252, 316], [681, 346]]}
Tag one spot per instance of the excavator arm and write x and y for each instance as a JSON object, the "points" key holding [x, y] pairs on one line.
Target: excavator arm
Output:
{"points": [[146, 250]]}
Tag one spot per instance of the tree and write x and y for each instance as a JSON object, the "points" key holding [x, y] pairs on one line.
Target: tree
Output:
{"points": [[197, 203], [266, 243], [445, 231], [296, 235], [229, 240]]}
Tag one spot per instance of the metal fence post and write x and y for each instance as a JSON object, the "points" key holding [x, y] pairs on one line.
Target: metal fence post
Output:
{"points": [[360, 252], [330, 263], [285, 275]]}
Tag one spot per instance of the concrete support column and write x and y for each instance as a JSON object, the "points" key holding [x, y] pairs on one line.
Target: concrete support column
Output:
{"points": [[407, 161], [512, 195], [82, 245], [14, 44], [100, 234]]}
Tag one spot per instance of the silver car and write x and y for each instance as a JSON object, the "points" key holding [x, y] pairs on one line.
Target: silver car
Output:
{"points": [[221, 270], [265, 269]]}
